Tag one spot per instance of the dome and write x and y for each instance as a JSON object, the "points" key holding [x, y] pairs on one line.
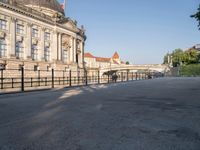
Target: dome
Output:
{"points": [[50, 4]]}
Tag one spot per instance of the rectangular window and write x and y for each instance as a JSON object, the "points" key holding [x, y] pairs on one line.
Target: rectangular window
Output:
{"points": [[46, 53], [19, 50], [20, 29], [34, 52], [47, 36], [65, 56], [3, 24], [35, 33], [2, 48]]}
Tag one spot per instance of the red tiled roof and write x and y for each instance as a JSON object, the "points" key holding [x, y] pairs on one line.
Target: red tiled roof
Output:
{"points": [[103, 59], [88, 55], [115, 56]]}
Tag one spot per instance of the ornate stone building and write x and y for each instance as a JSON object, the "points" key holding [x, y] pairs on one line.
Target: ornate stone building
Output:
{"points": [[37, 35]]}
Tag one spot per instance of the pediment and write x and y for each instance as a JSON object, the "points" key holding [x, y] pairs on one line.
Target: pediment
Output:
{"points": [[70, 24]]}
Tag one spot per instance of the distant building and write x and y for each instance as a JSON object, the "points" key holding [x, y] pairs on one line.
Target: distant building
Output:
{"points": [[196, 47], [94, 62]]}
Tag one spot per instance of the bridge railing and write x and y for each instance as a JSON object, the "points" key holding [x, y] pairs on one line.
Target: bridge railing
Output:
{"points": [[15, 80]]}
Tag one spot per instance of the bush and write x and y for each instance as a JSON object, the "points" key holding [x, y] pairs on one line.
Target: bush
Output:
{"points": [[190, 70]]}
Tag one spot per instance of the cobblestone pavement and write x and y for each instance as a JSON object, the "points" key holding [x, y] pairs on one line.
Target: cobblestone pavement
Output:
{"points": [[159, 114]]}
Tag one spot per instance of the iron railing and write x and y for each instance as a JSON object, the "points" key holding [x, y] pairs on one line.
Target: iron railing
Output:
{"points": [[25, 79]]}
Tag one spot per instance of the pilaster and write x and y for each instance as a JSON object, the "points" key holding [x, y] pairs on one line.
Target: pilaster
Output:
{"points": [[59, 46], [54, 46], [28, 41], [13, 37], [42, 44], [75, 50]]}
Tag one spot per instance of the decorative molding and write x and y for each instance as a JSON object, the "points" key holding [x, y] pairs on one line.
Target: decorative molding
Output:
{"points": [[34, 41], [19, 38], [2, 35]]}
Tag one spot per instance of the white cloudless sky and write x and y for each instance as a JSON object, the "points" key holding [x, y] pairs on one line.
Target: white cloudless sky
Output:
{"points": [[141, 31]]}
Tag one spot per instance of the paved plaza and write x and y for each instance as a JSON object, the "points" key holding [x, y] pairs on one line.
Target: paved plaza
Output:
{"points": [[158, 114]]}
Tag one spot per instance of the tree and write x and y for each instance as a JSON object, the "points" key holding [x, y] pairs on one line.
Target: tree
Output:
{"points": [[178, 57], [166, 58], [127, 63], [197, 16], [192, 56]]}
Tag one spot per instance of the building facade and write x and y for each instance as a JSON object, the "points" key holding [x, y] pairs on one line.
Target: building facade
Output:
{"points": [[37, 35], [93, 62]]}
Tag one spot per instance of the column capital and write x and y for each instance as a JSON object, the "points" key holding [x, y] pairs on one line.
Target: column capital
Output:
{"points": [[29, 24], [13, 19]]}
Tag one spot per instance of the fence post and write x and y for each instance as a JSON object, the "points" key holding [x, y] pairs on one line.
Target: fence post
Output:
{"points": [[38, 77], [136, 76], [78, 77], [108, 78], [98, 77], [86, 78], [1, 78], [63, 77], [52, 78], [70, 78], [22, 78], [127, 75], [132, 76]]}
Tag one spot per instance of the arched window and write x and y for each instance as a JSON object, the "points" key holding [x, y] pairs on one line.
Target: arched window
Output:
{"points": [[3, 47], [19, 50]]}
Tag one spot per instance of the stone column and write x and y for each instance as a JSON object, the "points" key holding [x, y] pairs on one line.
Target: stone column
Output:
{"points": [[54, 46], [75, 50], [42, 44], [13, 37], [59, 46], [28, 42], [71, 57], [81, 54]]}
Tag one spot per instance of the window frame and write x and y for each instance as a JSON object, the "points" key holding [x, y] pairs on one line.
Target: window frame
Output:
{"points": [[20, 30], [35, 33], [47, 54], [19, 50], [47, 36], [3, 48], [65, 56], [34, 52], [3, 24]]}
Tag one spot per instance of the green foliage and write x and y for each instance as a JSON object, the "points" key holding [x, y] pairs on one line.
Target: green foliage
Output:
{"points": [[190, 70], [192, 56], [165, 60], [197, 16], [180, 57], [127, 63]]}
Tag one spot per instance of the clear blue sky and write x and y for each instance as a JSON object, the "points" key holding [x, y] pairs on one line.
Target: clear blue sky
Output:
{"points": [[142, 31]]}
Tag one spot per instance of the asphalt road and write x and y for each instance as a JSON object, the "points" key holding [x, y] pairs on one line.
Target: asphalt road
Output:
{"points": [[159, 114]]}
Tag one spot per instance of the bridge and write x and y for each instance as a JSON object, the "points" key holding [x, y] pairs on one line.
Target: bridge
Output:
{"points": [[156, 68]]}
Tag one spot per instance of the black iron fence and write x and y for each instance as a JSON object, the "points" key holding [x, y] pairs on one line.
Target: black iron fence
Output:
{"points": [[25, 79]]}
